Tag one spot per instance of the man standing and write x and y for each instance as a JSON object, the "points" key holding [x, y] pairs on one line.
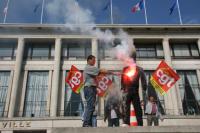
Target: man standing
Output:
{"points": [[90, 91], [152, 112], [130, 90]]}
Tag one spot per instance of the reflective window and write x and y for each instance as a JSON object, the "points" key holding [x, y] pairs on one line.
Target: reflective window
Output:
{"points": [[8, 49], [35, 103], [190, 92], [106, 49], [4, 83], [76, 49], [149, 50], [39, 49], [186, 50]]}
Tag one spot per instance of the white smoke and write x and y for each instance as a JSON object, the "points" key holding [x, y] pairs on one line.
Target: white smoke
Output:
{"points": [[125, 49], [79, 19]]}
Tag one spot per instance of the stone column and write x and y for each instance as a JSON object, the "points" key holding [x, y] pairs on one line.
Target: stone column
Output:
{"points": [[95, 49], [171, 100], [23, 92], [95, 53], [17, 72], [56, 74], [198, 75], [198, 43], [131, 43], [63, 91], [49, 131]]}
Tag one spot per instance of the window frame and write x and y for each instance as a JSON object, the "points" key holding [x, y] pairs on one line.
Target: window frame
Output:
{"points": [[30, 47], [172, 46], [66, 45], [151, 45], [13, 49], [5, 112], [35, 113], [193, 86]]}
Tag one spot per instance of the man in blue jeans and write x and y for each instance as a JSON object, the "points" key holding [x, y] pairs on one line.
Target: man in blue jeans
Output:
{"points": [[90, 91]]}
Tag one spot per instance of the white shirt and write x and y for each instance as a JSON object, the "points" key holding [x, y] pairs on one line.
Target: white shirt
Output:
{"points": [[113, 114]]}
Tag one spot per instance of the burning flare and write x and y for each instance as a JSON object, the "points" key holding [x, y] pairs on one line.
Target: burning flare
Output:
{"points": [[130, 72]]}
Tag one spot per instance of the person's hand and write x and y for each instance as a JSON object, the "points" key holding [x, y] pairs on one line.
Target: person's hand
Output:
{"points": [[103, 71], [142, 103], [161, 118]]}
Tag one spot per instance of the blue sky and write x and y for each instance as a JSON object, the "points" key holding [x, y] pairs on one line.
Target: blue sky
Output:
{"points": [[22, 11]]}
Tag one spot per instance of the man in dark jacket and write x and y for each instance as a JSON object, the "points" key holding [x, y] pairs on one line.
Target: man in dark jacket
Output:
{"points": [[130, 89]]}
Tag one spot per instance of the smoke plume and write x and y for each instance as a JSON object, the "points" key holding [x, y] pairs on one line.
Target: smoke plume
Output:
{"points": [[80, 19]]}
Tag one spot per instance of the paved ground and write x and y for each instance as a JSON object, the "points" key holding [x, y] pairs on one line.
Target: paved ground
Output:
{"points": [[175, 129]]}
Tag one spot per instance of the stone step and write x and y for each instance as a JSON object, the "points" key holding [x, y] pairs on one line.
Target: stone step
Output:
{"points": [[145, 129]]}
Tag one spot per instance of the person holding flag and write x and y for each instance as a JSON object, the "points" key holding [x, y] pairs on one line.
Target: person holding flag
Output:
{"points": [[90, 88]]}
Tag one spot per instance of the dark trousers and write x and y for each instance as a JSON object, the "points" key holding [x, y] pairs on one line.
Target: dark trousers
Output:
{"points": [[113, 122], [131, 98], [152, 119], [90, 97]]}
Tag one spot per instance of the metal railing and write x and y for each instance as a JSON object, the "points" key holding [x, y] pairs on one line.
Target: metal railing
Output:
{"points": [[3, 114], [72, 108], [34, 109]]}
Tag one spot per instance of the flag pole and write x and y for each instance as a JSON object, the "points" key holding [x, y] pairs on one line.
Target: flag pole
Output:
{"points": [[5, 11], [77, 17], [145, 12], [42, 12], [111, 13], [179, 13]]}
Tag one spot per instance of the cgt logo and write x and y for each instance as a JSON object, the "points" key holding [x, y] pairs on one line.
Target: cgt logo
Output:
{"points": [[103, 84], [164, 79], [75, 80]]}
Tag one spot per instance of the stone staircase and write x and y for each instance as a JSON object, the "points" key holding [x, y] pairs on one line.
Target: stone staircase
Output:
{"points": [[145, 129]]}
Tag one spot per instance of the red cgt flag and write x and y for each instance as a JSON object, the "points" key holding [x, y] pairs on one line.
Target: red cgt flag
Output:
{"points": [[163, 78], [103, 84], [75, 79]]}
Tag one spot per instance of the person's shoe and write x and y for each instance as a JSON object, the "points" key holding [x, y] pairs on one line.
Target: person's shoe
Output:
{"points": [[86, 126], [125, 125]]}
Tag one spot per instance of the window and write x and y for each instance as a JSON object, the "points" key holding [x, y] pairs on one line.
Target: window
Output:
{"points": [[35, 103], [4, 83], [149, 50], [76, 49], [8, 49], [73, 105], [106, 49], [184, 50], [190, 92], [39, 50], [151, 91]]}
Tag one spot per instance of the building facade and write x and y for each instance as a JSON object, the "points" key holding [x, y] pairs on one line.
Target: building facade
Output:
{"points": [[34, 60]]}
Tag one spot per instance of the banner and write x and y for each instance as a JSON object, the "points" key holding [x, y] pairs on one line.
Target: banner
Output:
{"points": [[75, 79], [103, 84], [163, 78]]}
